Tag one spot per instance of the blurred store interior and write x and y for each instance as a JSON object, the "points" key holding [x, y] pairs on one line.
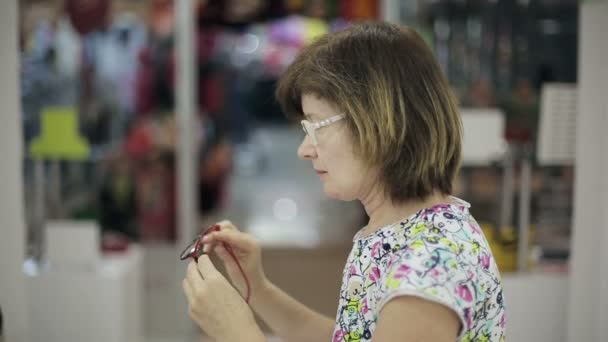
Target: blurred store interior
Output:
{"points": [[131, 124]]}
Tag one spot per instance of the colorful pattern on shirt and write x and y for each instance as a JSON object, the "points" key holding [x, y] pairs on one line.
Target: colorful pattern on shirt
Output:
{"points": [[438, 254]]}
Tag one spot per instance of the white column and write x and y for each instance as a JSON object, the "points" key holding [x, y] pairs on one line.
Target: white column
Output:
{"points": [[186, 121], [390, 11], [12, 226], [588, 300], [186, 150]]}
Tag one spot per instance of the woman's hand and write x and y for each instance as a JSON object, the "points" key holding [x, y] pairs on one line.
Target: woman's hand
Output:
{"points": [[216, 307], [246, 250]]}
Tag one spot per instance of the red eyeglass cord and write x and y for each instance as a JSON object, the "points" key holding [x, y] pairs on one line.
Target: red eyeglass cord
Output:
{"points": [[216, 228]]}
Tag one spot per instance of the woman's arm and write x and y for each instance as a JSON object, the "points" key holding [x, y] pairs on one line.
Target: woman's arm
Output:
{"points": [[409, 318], [288, 318]]}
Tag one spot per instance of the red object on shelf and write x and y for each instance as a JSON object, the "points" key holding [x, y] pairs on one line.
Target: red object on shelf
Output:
{"points": [[88, 15], [359, 9], [139, 141], [112, 243]]}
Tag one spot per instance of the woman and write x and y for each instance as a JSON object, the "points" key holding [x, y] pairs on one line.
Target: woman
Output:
{"points": [[383, 128]]}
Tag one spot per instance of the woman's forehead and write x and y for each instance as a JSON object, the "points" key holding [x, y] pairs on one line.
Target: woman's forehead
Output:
{"points": [[315, 107]]}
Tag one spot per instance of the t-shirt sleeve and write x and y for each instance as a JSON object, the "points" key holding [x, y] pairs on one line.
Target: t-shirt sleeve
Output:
{"points": [[432, 269]]}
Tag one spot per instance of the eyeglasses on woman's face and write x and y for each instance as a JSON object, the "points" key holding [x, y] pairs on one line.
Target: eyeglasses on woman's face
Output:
{"points": [[311, 127]]}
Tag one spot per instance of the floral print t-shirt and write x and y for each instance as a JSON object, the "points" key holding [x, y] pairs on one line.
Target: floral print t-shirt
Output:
{"points": [[439, 254]]}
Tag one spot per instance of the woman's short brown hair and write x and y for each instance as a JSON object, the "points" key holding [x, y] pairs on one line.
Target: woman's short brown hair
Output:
{"points": [[400, 109]]}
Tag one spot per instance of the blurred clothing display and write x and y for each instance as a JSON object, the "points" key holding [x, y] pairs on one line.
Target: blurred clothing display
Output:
{"points": [[117, 202], [42, 85], [117, 66], [150, 149], [522, 112], [117, 53], [68, 49]]}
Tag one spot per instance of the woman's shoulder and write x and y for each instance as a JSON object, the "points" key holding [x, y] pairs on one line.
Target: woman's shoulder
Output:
{"points": [[446, 231], [444, 219], [441, 255]]}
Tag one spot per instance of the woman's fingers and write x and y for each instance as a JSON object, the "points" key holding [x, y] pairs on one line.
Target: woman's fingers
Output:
{"points": [[206, 267], [193, 276], [208, 247], [223, 225], [188, 290], [221, 252], [226, 224], [232, 237]]}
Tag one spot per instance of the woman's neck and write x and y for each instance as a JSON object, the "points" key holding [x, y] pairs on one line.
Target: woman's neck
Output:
{"points": [[382, 211]]}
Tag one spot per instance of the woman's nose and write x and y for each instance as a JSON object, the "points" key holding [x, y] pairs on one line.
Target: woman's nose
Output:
{"points": [[307, 150]]}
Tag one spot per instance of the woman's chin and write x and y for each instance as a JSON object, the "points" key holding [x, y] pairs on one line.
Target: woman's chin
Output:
{"points": [[330, 193], [334, 194]]}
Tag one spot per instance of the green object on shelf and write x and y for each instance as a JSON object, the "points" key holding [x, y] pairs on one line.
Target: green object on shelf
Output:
{"points": [[59, 136]]}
